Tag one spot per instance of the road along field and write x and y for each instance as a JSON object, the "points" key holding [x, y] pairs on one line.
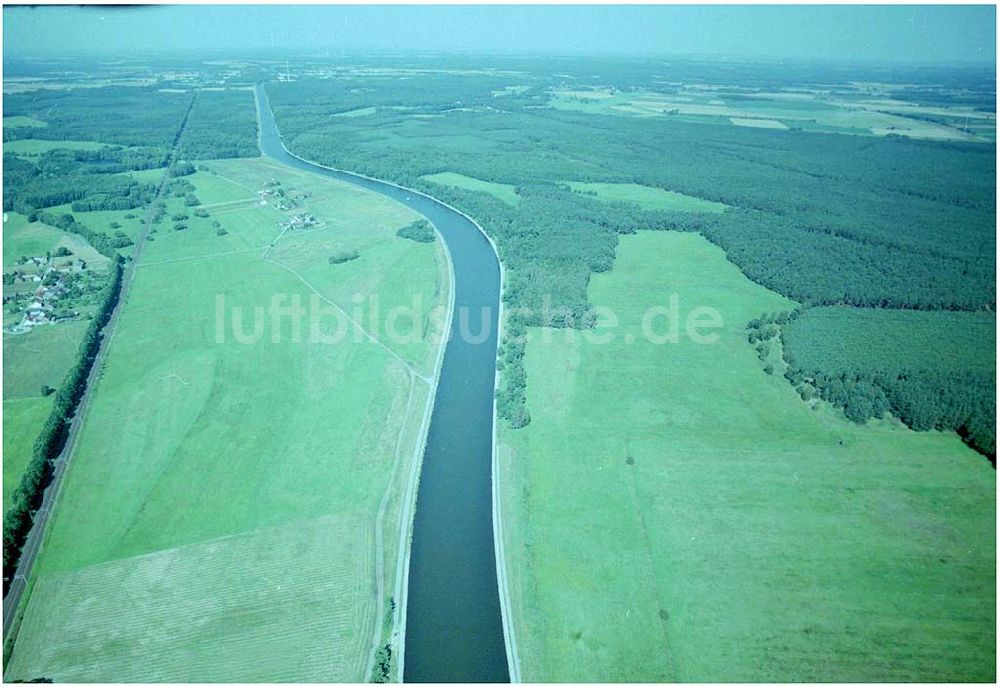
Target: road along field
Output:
{"points": [[673, 513], [233, 509]]}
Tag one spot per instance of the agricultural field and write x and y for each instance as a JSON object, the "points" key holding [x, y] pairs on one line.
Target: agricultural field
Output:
{"points": [[360, 112], [847, 109], [758, 123], [504, 192], [674, 513], [647, 197], [273, 472]]}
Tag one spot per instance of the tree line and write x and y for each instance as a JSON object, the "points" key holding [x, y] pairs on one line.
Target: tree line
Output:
{"points": [[222, 124], [866, 385], [28, 494]]}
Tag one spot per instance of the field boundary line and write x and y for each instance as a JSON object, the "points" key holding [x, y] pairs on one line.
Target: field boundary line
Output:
{"points": [[192, 258], [360, 328]]}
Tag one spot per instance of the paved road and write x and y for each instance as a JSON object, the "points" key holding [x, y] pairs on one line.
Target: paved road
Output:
{"points": [[34, 541]]}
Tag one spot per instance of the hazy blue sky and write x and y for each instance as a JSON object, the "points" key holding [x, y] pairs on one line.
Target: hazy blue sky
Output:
{"points": [[896, 33]]}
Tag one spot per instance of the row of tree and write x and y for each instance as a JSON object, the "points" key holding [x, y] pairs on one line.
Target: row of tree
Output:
{"points": [[28, 494]]}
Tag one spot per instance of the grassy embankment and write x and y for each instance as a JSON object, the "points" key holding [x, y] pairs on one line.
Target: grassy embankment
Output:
{"points": [[674, 513], [262, 467]]}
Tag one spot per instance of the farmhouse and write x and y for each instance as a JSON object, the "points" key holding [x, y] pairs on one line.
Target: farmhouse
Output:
{"points": [[299, 221]]}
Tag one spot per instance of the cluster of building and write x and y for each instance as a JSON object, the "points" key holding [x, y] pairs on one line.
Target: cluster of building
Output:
{"points": [[299, 221], [41, 308], [287, 200], [292, 200]]}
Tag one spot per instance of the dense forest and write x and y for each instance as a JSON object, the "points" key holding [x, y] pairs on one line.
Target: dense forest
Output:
{"points": [[933, 370], [222, 124], [822, 218], [90, 180], [122, 115], [825, 219]]}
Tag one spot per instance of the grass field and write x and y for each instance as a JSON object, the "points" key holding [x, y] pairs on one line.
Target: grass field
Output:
{"points": [[647, 197], [23, 239], [19, 120], [39, 357], [263, 465], [758, 123], [30, 147], [504, 192], [22, 421], [673, 513]]}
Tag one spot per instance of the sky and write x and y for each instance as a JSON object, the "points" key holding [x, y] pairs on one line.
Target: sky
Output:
{"points": [[925, 33]]}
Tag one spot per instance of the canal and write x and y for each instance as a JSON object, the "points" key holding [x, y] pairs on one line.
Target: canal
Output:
{"points": [[454, 631]]}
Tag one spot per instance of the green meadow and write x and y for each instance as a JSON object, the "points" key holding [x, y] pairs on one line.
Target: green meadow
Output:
{"points": [[271, 473], [21, 239], [20, 120], [647, 197], [22, 421], [30, 147], [40, 357], [673, 513], [504, 192]]}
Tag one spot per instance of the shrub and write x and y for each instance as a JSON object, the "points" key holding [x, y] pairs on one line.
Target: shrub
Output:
{"points": [[420, 231], [344, 256]]}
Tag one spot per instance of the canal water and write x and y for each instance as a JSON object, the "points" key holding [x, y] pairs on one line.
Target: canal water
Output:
{"points": [[454, 631]]}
